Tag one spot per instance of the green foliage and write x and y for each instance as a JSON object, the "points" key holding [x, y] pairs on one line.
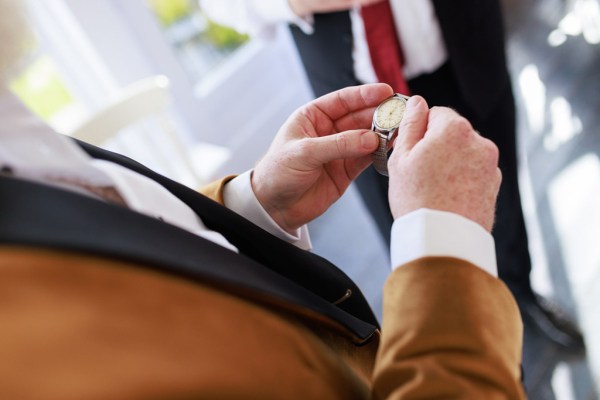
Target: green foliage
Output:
{"points": [[41, 88], [223, 37], [169, 11]]}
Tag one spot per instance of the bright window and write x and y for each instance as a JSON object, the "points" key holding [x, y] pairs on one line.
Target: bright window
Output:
{"points": [[199, 43], [43, 91]]}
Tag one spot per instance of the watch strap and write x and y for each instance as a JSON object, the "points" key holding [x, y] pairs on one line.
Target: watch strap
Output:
{"points": [[380, 156]]}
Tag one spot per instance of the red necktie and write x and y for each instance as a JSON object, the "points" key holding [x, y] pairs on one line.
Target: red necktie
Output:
{"points": [[384, 46]]}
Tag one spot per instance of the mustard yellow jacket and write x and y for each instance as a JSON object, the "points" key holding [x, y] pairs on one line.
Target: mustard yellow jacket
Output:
{"points": [[80, 326]]}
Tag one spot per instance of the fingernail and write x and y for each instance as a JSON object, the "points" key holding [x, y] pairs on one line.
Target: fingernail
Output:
{"points": [[369, 140]]}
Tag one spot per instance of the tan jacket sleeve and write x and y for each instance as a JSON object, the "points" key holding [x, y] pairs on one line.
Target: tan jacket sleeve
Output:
{"points": [[450, 331], [214, 190]]}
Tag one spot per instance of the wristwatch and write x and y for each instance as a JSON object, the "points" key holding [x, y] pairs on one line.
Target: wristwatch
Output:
{"points": [[386, 119]]}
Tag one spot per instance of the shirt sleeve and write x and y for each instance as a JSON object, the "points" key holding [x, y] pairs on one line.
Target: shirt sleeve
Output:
{"points": [[239, 197], [254, 16], [433, 233]]}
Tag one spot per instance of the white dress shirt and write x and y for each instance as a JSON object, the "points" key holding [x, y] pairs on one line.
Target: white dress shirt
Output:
{"points": [[31, 150], [417, 26]]}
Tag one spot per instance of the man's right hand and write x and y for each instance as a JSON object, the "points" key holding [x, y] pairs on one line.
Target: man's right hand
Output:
{"points": [[306, 7], [440, 162]]}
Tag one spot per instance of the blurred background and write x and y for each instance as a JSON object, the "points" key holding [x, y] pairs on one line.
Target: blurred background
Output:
{"points": [[159, 81]]}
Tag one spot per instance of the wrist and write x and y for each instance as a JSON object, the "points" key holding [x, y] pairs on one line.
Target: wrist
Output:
{"points": [[479, 211], [269, 206], [239, 197]]}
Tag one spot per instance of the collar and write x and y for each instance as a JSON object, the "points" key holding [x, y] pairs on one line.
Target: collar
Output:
{"points": [[43, 216]]}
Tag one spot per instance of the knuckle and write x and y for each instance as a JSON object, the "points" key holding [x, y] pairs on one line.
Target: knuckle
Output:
{"points": [[493, 150], [459, 129], [407, 125], [499, 176], [461, 126], [489, 150], [341, 143]]}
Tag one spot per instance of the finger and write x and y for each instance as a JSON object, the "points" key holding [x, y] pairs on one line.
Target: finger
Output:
{"points": [[361, 119], [413, 125], [356, 166], [336, 104], [349, 144], [443, 120], [450, 127]]}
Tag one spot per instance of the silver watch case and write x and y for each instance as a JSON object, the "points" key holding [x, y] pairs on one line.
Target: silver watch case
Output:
{"points": [[386, 138]]}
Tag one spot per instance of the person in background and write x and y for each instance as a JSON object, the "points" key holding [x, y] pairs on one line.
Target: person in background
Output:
{"points": [[452, 54], [120, 283]]}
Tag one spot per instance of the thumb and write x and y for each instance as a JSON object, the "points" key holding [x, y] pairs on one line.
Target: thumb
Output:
{"points": [[348, 144], [414, 124]]}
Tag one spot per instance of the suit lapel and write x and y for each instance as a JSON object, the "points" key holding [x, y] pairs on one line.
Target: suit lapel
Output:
{"points": [[327, 52], [267, 264]]}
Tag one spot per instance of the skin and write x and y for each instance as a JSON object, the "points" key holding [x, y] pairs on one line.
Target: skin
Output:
{"points": [[322, 148], [306, 7], [439, 162], [316, 154]]}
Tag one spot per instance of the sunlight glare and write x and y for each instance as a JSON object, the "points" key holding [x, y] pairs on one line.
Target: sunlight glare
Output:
{"points": [[556, 38], [582, 20], [562, 382], [574, 195], [533, 92], [565, 125]]}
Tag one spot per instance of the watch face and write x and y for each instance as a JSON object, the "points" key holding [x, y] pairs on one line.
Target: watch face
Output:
{"points": [[389, 113]]}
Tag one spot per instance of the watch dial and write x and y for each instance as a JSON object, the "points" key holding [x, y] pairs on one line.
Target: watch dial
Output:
{"points": [[389, 113]]}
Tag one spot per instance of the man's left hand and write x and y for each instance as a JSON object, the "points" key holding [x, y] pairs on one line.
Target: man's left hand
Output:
{"points": [[317, 153]]}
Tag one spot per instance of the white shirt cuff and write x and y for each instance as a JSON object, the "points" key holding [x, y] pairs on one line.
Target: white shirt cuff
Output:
{"points": [[433, 233], [239, 197]]}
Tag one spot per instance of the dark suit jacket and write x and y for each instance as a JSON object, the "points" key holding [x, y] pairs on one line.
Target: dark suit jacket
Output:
{"points": [[473, 33], [97, 301]]}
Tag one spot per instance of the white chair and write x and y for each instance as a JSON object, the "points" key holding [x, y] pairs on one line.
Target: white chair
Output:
{"points": [[137, 123]]}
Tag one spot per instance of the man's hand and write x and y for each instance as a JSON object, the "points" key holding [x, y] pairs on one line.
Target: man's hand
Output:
{"points": [[320, 149], [440, 162], [306, 7]]}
